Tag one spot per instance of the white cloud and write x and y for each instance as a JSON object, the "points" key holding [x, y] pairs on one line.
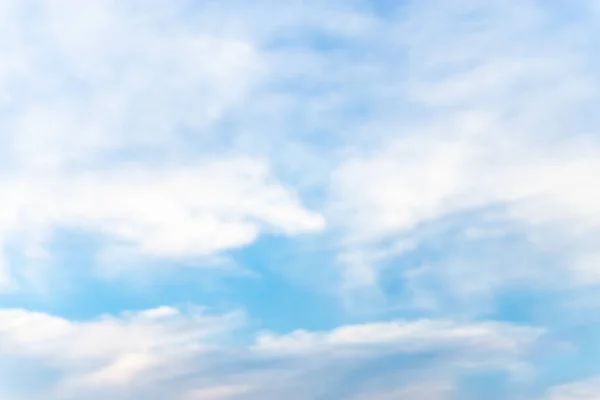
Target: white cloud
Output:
{"points": [[109, 116], [581, 390], [163, 212], [102, 76], [217, 392], [176, 211], [409, 336], [111, 352], [108, 338], [421, 391], [324, 362], [189, 354], [499, 132], [176, 130]]}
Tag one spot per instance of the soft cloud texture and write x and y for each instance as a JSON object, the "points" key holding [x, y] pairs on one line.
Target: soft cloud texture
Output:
{"points": [[411, 187], [586, 389], [108, 129], [135, 353], [110, 351], [410, 336], [500, 150], [168, 212]]}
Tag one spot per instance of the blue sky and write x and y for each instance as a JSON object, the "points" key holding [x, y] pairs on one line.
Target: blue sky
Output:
{"points": [[312, 200]]}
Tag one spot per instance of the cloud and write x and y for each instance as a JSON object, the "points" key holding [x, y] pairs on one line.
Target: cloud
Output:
{"points": [[496, 143], [111, 351], [581, 390], [111, 127], [407, 335], [112, 78], [375, 360], [425, 391], [445, 153], [217, 392], [178, 212], [166, 212], [190, 353]]}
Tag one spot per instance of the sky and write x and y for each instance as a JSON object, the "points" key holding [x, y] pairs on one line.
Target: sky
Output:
{"points": [[302, 199]]}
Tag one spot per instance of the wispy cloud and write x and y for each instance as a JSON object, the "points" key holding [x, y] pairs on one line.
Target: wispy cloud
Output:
{"points": [[189, 353], [497, 135], [436, 161], [585, 389]]}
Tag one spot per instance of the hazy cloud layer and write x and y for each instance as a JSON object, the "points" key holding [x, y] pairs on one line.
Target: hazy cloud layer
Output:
{"points": [[410, 189]]}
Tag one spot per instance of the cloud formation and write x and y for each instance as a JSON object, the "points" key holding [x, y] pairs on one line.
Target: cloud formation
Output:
{"points": [[187, 353], [427, 169]]}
